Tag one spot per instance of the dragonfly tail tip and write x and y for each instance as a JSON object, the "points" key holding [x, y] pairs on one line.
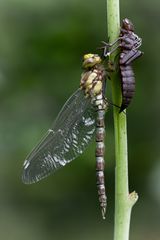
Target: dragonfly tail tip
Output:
{"points": [[103, 213]]}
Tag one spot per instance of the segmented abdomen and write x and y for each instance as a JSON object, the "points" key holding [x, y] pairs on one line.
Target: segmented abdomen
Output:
{"points": [[100, 163], [127, 85]]}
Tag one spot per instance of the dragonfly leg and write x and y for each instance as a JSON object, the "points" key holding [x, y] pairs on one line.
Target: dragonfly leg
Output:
{"points": [[110, 102]]}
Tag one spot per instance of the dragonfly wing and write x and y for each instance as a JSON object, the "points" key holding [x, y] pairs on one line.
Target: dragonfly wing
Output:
{"points": [[68, 138]]}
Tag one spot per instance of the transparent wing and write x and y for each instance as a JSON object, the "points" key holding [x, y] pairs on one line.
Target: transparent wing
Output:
{"points": [[68, 138]]}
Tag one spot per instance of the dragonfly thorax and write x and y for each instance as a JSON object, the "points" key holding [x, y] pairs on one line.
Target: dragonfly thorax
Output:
{"points": [[94, 75]]}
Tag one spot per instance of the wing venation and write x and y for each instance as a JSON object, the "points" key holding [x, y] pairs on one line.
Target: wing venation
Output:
{"points": [[70, 135]]}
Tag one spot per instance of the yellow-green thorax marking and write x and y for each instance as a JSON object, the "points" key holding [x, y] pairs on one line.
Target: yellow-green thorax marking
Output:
{"points": [[93, 76]]}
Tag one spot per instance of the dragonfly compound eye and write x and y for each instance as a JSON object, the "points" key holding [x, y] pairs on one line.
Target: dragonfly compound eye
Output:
{"points": [[90, 60]]}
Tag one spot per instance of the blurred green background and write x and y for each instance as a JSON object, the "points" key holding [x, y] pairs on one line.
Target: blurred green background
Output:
{"points": [[41, 49]]}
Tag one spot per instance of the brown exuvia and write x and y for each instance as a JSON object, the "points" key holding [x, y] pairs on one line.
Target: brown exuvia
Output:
{"points": [[129, 43]]}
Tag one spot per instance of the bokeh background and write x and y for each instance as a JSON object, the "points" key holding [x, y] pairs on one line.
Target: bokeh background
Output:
{"points": [[41, 48]]}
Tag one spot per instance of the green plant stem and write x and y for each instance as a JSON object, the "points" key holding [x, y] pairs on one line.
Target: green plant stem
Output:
{"points": [[123, 200]]}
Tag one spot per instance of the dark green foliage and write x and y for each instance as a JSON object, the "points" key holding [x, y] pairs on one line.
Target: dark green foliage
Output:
{"points": [[41, 48]]}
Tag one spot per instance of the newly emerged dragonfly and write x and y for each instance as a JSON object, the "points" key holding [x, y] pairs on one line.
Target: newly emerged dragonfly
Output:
{"points": [[81, 117], [129, 43]]}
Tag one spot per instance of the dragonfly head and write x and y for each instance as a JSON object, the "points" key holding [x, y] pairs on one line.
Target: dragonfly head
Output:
{"points": [[90, 60], [127, 25]]}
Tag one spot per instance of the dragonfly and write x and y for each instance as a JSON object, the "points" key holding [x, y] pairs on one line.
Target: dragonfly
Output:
{"points": [[81, 118], [129, 44]]}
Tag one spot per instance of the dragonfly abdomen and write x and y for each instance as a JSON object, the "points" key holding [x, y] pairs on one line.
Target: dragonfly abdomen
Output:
{"points": [[127, 85], [100, 150]]}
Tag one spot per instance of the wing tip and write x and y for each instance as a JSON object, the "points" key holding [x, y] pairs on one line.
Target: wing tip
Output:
{"points": [[26, 179], [26, 175]]}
